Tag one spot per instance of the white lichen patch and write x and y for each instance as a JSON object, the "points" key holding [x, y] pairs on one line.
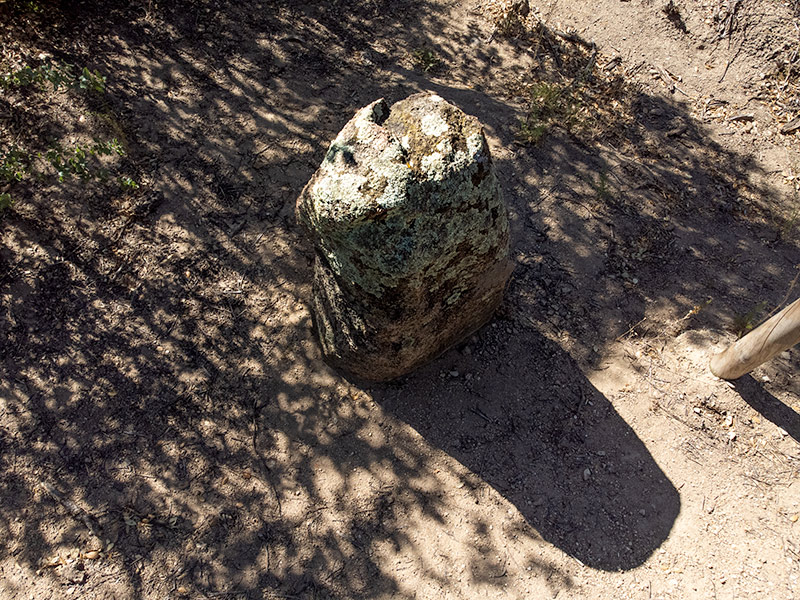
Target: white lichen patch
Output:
{"points": [[445, 147], [433, 164], [433, 124], [329, 192], [475, 143]]}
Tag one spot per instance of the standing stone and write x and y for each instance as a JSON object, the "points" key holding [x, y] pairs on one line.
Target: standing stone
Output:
{"points": [[411, 236]]}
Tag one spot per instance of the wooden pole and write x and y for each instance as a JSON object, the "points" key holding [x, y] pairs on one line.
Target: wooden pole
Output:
{"points": [[773, 336]]}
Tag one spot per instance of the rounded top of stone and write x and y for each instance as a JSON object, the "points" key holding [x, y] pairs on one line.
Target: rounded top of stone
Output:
{"points": [[423, 122], [384, 151]]}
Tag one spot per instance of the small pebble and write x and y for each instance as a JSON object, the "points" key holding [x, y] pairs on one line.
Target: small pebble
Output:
{"points": [[586, 474], [453, 373]]}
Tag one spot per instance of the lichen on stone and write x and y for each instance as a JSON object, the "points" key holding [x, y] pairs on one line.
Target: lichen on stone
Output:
{"points": [[409, 227]]}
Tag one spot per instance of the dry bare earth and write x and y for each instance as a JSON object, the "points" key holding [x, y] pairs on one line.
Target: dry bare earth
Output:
{"points": [[164, 403]]}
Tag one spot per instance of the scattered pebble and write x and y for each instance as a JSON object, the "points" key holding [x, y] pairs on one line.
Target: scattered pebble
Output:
{"points": [[586, 474]]}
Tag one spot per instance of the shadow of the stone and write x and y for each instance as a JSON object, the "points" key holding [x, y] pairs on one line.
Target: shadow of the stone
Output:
{"points": [[547, 440]]}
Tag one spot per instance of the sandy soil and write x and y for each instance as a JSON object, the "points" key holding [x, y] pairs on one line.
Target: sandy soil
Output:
{"points": [[168, 428]]}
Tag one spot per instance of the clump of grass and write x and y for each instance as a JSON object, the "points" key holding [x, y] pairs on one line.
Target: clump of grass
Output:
{"points": [[530, 132], [426, 60], [746, 322], [551, 105]]}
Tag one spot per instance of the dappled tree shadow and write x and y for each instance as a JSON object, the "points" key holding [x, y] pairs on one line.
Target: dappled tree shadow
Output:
{"points": [[159, 370]]}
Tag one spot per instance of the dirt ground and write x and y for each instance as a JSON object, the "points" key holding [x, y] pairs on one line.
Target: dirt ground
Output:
{"points": [[168, 428]]}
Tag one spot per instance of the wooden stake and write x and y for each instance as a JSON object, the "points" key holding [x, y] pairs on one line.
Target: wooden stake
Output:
{"points": [[773, 336]]}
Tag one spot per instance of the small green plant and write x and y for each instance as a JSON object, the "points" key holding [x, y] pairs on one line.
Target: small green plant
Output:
{"points": [[426, 60], [58, 75], [127, 183], [530, 131], [91, 81], [550, 104], [75, 162], [601, 187], [788, 225], [14, 164], [30, 6], [744, 323]]}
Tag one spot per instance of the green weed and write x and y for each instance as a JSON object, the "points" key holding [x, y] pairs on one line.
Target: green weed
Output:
{"points": [[550, 105], [65, 163], [600, 186], [510, 25], [74, 162], [14, 164], [530, 132], [744, 323], [127, 183], [426, 60], [58, 75], [30, 6]]}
